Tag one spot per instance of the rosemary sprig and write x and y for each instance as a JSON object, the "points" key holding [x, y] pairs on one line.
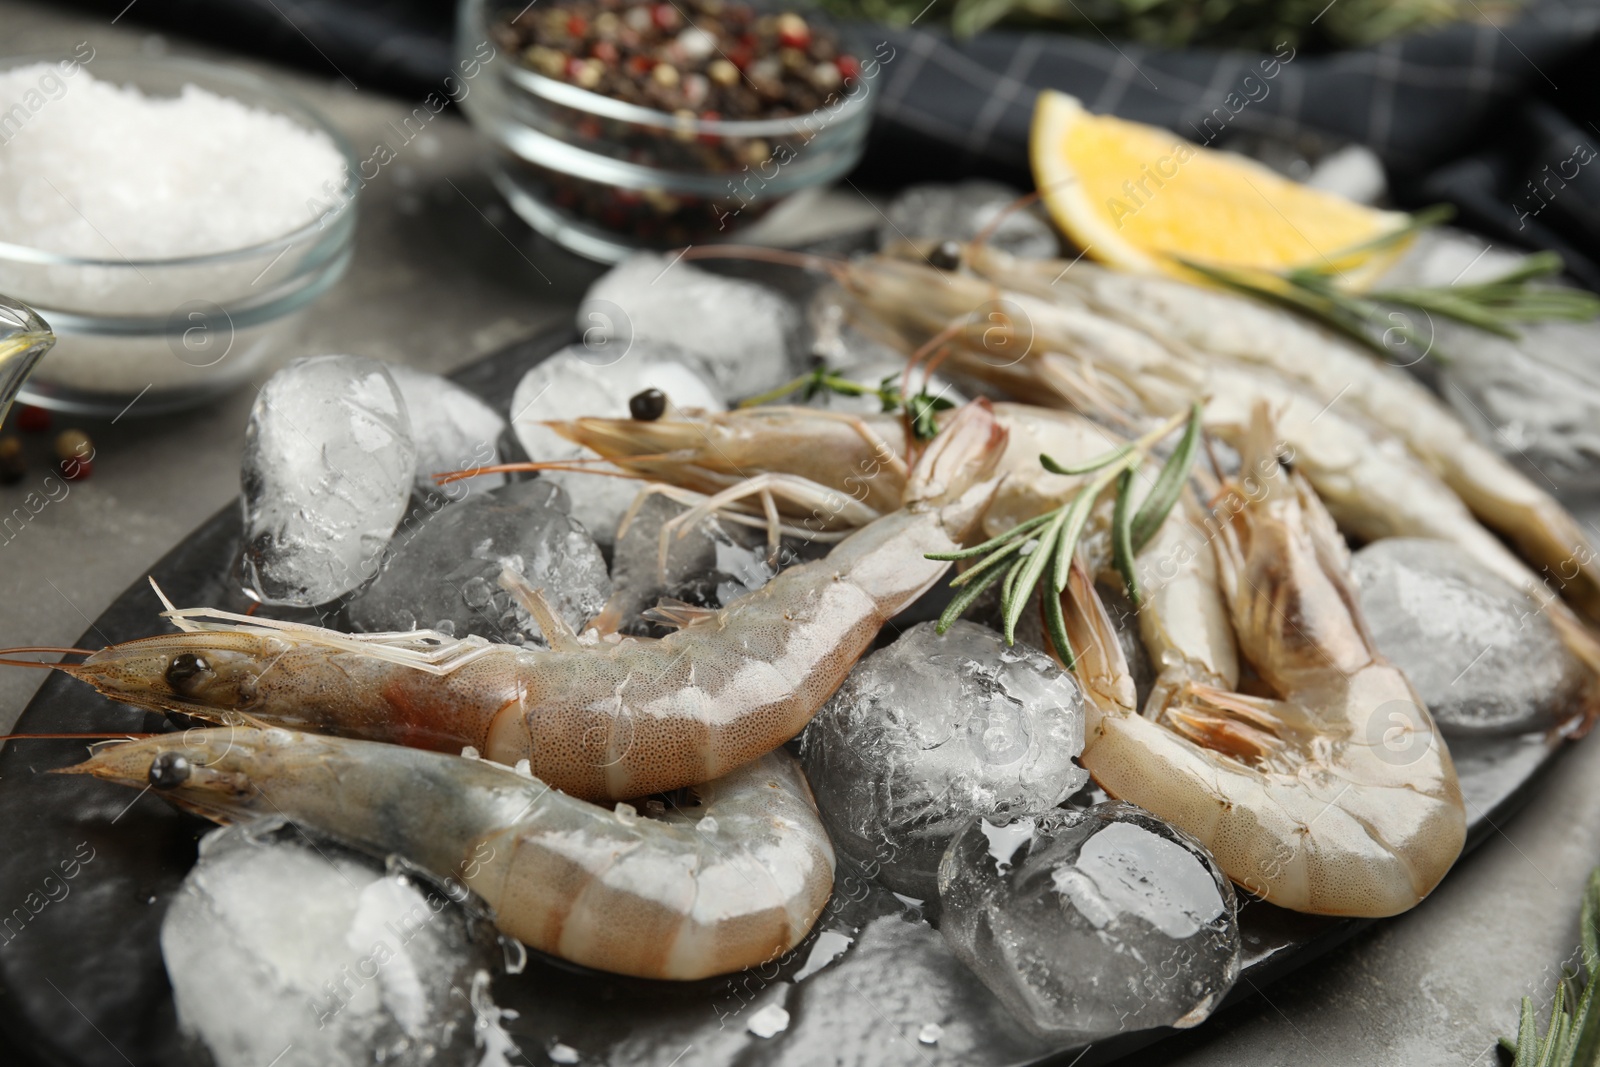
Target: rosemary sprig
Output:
{"points": [[1493, 306], [1572, 1039], [923, 407], [1020, 558]]}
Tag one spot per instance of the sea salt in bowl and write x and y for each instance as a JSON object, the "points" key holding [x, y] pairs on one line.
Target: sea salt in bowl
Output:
{"points": [[173, 274]]}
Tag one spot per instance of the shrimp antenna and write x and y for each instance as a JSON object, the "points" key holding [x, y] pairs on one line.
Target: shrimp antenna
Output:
{"points": [[578, 465], [1010, 209], [782, 256], [96, 735], [6, 655]]}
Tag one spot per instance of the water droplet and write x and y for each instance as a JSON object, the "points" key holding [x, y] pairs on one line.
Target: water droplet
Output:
{"points": [[476, 593], [930, 1034]]}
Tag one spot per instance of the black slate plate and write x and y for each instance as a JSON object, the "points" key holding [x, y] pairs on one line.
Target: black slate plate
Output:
{"points": [[82, 982]]}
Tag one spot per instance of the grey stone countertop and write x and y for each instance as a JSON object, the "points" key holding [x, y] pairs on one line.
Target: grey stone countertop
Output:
{"points": [[443, 273]]}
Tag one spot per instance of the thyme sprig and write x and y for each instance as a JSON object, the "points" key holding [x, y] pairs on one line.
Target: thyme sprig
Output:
{"points": [[923, 407], [1019, 558], [1494, 306], [1572, 1038]]}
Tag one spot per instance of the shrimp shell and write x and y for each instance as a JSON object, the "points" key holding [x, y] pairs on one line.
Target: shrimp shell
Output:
{"points": [[734, 883]]}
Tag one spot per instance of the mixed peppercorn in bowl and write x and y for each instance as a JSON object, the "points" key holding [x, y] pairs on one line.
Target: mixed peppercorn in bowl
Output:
{"points": [[622, 125]]}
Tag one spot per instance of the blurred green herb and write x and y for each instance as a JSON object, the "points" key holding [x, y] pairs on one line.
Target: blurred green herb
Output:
{"points": [[1494, 306], [1020, 557], [923, 407], [1572, 1039]]}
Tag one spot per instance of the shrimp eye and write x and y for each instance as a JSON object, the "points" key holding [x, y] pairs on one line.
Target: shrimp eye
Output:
{"points": [[184, 669], [946, 257], [647, 406], [169, 770]]}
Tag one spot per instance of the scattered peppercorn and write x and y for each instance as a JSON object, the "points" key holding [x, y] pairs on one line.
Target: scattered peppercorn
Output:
{"points": [[32, 420], [13, 465], [946, 257], [74, 455], [647, 406]]}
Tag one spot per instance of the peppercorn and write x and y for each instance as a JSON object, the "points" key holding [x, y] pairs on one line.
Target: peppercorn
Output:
{"points": [[74, 454], [946, 257], [13, 465], [793, 31], [647, 406], [32, 420]]}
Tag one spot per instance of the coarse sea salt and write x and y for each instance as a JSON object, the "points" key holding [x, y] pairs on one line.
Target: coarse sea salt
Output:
{"points": [[103, 171], [140, 189]]}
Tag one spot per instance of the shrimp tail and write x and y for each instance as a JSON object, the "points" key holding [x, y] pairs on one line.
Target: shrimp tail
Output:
{"points": [[1099, 662]]}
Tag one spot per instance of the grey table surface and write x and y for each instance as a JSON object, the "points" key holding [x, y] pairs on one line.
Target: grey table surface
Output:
{"points": [[443, 273]]}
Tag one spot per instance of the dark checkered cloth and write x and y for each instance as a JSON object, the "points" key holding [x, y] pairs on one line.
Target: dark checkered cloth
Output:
{"points": [[1490, 118]]}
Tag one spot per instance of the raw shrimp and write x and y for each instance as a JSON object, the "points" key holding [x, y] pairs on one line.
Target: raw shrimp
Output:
{"points": [[1337, 796], [1186, 630], [1227, 326], [734, 882], [862, 458], [1372, 483], [1054, 350], [600, 719]]}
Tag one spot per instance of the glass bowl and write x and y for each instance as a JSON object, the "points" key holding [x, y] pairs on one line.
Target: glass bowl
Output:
{"points": [[603, 177], [174, 333]]}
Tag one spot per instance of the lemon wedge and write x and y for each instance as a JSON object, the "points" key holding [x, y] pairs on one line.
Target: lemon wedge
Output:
{"points": [[1139, 197]]}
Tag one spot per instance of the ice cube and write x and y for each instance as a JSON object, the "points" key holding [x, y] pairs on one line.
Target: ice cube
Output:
{"points": [[736, 333], [328, 466], [297, 954], [960, 212], [1535, 398], [768, 1021], [932, 730], [829, 946], [1483, 656], [444, 570], [453, 430], [585, 380], [1086, 923]]}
